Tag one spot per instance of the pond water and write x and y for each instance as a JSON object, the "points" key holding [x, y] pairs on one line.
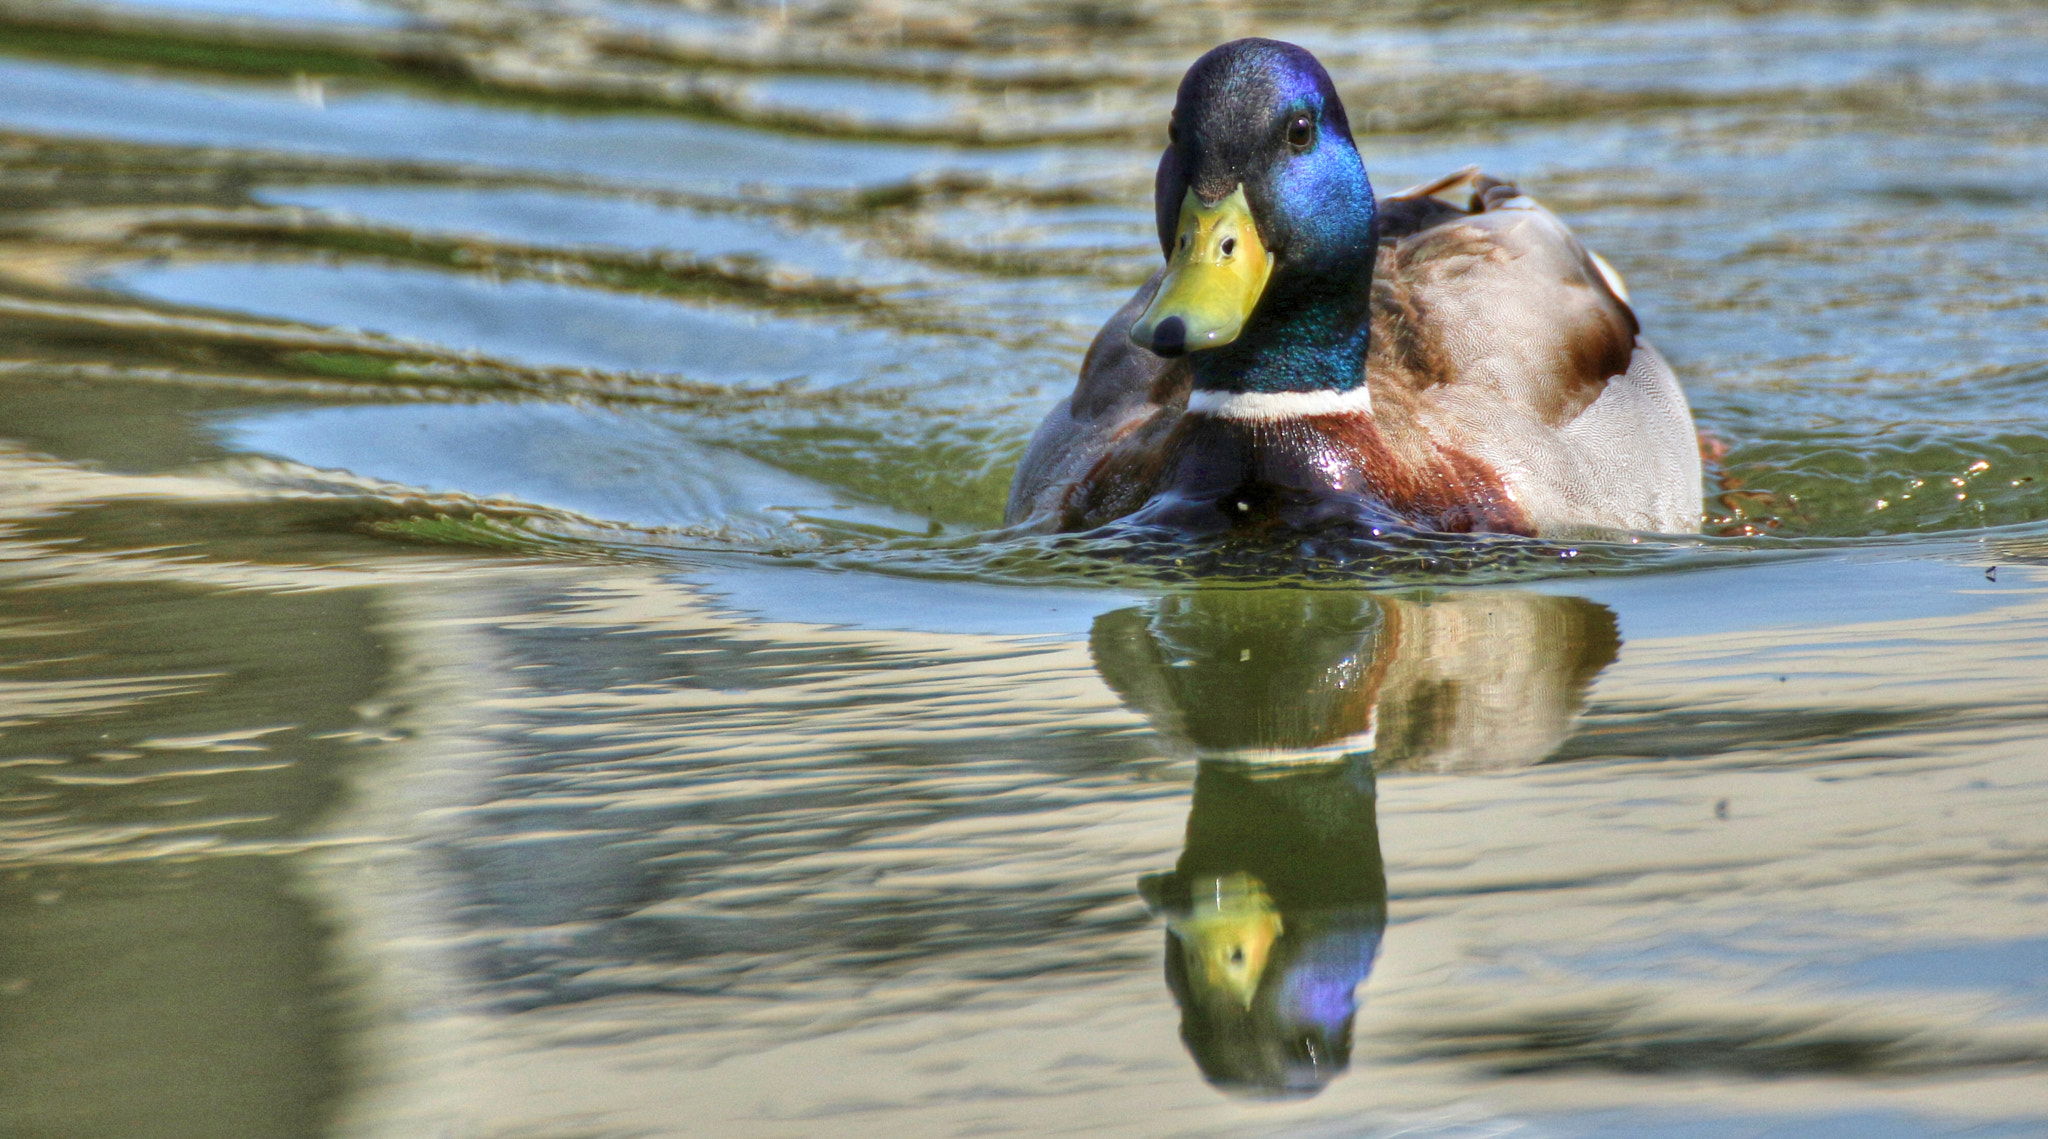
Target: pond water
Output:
{"points": [[503, 631]]}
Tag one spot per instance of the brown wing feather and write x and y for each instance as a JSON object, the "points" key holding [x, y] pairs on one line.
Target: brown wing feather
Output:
{"points": [[1498, 294]]}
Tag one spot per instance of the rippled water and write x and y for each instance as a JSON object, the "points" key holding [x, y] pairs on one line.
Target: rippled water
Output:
{"points": [[502, 631]]}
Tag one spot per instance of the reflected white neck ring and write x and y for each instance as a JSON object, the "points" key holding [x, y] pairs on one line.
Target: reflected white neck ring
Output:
{"points": [[1335, 751]]}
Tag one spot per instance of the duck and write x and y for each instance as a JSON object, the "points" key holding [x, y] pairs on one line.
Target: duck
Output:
{"points": [[1447, 360]]}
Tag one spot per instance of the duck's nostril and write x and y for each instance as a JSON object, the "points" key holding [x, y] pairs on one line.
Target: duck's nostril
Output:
{"points": [[1170, 338], [1229, 246]]}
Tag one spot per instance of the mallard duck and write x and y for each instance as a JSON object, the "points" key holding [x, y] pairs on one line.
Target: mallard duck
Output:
{"points": [[1450, 359]]}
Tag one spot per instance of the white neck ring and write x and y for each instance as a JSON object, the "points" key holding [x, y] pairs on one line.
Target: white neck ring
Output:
{"points": [[1279, 405]]}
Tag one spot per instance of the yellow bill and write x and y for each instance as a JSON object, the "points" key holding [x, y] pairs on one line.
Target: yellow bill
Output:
{"points": [[1227, 936], [1213, 279]]}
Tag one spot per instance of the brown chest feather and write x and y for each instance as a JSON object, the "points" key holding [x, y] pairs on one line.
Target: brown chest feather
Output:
{"points": [[1202, 474]]}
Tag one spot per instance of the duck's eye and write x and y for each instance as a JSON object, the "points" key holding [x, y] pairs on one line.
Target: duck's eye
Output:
{"points": [[1301, 131]]}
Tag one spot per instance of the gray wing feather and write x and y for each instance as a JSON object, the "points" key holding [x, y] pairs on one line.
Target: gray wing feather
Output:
{"points": [[1629, 461], [1118, 388]]}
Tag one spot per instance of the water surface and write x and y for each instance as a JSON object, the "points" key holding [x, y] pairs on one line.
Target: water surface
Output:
{"points": [[503, 630]]}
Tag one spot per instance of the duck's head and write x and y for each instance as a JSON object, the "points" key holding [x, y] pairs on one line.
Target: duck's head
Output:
{"points": [[1268, 225]]}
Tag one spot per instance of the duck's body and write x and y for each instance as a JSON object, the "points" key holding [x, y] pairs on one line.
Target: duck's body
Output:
{"points": [[1417, 363]]}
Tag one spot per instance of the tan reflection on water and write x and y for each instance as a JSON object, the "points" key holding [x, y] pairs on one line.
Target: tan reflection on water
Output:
{"points": [[1468, 681]]}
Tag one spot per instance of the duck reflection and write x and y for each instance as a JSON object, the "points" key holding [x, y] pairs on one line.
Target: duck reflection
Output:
{"points": [[1292, 700], [1274, 915]]}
